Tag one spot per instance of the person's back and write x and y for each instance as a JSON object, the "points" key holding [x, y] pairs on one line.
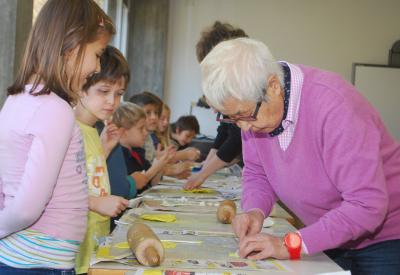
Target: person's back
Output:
{"points": [[23, 133], [44, 170]]}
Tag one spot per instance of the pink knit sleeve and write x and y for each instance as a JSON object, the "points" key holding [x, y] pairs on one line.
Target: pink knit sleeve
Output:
{"points": [[257, 192], [51, 131], [1, 195], [350, 148]]}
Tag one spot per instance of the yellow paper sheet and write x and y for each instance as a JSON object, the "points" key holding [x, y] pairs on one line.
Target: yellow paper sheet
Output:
{"points": [[152, 272], [159, 217]]}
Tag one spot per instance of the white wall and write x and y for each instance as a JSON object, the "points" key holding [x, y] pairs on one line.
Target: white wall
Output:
{"points": [[330, 34], [369, 80]]}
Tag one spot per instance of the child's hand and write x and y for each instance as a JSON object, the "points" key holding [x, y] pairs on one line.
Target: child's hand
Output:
{"points": [[110, 206], [159, 164], [167, 154], [182, 170], [110, 137], [164, 157], [192, 153]]}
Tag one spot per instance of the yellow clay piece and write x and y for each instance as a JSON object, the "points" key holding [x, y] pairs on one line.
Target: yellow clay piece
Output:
{"points": [[152, 272], [159, 217], [122, 245], [234, 254], [103, 252], [168, 244], [200, 191]]}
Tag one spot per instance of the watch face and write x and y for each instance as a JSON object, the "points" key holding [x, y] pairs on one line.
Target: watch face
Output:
{"points": [[292, 240]]}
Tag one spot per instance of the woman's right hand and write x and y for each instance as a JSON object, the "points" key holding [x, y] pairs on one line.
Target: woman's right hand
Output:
{"points": [[247, 224], [194, 181], [110, 206]]}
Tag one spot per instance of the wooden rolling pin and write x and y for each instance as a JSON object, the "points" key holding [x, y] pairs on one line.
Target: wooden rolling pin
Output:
{"points": [[146, 246], [226, 211]]}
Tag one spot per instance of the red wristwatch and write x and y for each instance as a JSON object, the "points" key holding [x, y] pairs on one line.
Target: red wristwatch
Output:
{"points": [[292, 241]]}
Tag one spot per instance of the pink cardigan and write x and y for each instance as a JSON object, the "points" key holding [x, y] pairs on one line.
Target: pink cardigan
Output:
{"points": [[340, 174]]}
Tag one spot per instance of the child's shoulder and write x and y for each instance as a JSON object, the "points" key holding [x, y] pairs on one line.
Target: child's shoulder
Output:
{"points": [[38, 113], [57, 103], [50, 103], [54, 107]]}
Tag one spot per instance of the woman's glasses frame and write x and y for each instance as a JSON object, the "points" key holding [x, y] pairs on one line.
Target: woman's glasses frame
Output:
{"points": [[252, 117]]}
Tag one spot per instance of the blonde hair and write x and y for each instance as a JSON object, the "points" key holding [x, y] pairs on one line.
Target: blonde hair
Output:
{"points": [[61, 26], [165, 137], [127, 115]]}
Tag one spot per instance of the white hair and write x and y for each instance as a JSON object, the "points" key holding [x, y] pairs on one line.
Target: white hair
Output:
{"points": [[238, 68]]}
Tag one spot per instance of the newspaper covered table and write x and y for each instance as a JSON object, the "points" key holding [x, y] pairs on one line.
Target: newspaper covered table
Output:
{"points": [[195, 242]]}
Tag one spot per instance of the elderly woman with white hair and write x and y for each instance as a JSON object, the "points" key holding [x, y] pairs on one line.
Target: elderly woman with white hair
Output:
{"points": [[313, 141]]}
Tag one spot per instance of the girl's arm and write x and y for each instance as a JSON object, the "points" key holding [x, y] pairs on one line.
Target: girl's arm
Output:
{"points": [[50, 131]]}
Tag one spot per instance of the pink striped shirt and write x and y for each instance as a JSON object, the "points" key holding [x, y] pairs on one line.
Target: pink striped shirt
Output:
{"points": [[289, 123]]}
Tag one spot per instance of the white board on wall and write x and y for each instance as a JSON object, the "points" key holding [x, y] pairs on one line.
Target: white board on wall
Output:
{"points": [[381, 85]]}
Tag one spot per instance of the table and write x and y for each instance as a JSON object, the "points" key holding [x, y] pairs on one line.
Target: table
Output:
{"points": [[201, 243]]}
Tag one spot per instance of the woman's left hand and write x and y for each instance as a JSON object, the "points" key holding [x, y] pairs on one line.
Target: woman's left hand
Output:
{"points": [[262, 246]]}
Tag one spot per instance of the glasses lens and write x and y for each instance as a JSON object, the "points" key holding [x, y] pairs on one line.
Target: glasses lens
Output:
{"points": [[228, 120], [220, 118]]}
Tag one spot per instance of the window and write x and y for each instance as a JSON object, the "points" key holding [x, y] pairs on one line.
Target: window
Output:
{"points": [[38, 4]]}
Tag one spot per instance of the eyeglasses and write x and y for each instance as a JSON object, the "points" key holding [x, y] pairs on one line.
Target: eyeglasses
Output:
{"points": [[253, 117]]}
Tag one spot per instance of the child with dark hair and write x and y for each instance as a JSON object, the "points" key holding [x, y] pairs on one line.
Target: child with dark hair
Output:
{"points": [[114, 68], [227, 147], [183, 131], [211, 36], [100, 96]]}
